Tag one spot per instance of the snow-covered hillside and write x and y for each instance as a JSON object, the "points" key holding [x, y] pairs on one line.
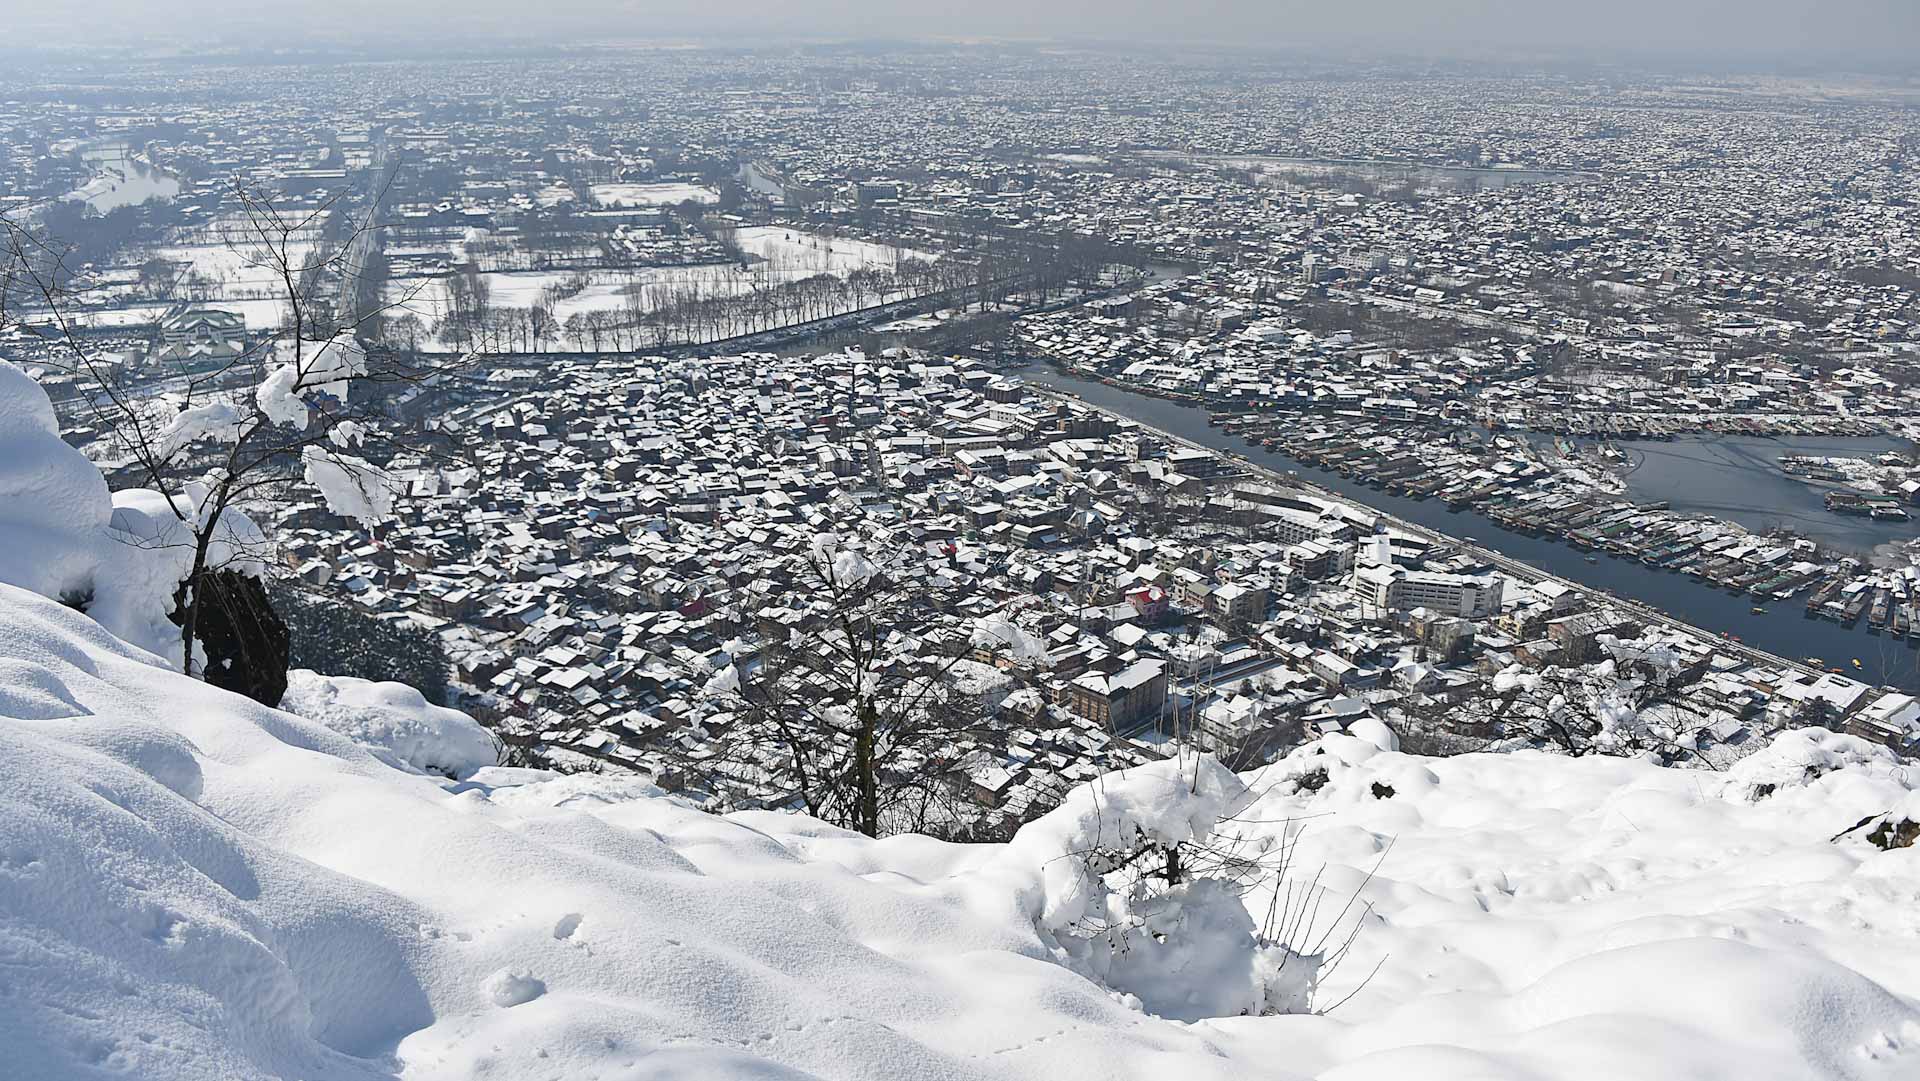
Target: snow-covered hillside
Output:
{"points": [[194, 886]]}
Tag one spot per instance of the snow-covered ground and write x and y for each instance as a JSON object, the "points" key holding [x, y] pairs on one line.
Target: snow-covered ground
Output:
{"points": [[793, 253], [392, 720], [261, 313], [662, 194], [606, 291], [237, 263], [239, 283], [776, 255], [233, 274]]}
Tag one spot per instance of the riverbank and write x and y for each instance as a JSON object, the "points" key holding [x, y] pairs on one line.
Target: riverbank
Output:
{"points": [[1776, 635]]}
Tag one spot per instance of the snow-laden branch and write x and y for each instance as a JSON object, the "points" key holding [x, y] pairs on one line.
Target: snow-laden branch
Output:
{"points": [[353, 487]]}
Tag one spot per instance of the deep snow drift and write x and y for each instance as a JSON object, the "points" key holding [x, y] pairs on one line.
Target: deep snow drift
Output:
{"points": [[394, 721], [194, 886]]}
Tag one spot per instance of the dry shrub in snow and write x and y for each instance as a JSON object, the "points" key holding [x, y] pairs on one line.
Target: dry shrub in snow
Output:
{"points": [[1121, 888]]}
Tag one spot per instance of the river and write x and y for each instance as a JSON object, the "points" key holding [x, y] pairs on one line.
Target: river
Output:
{"points": [[1783, 629], [750, 177]]}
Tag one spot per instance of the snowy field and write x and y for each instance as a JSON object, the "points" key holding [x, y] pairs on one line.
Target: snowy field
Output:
{"points": [[235, 272], [260, 313], [777, 255], [650, 194], [799, 254], [428, 297], [235, 275], [130, 315], [232, 255]]}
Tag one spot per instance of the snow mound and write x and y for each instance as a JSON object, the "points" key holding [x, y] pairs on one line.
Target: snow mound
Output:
{"points": [[42, 480], [392, 720], [55, 519], [193, 886], [1376, 732], [1801, 757], [1189, 951], [1538, 916], [507, 988], [151, 520], [1899, 827], [1163, 803]]}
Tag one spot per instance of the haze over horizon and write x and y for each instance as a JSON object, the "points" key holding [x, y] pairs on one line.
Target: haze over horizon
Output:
{"points": [[1834, 31]]}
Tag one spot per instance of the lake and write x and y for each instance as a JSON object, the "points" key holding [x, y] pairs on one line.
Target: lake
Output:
{"points": [[1782, 629], [122, 178], [750, 177], [1739, 478]]}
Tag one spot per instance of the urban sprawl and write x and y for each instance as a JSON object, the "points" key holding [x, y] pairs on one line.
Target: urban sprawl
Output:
{"points": [[713, 331]]}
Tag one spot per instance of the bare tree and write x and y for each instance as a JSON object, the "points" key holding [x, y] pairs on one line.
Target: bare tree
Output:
{"points": [[207, 436], [1634, 703], [868, 706]]}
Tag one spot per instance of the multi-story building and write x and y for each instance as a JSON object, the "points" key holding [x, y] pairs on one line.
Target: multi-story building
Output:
{"points": [[1397, 589], [1245, 601], [1123, 699]]}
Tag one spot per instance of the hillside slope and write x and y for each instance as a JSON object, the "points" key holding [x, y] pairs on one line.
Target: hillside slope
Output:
{"points": [[193, 886]]}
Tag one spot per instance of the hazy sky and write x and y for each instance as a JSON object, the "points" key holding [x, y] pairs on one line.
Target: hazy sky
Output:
{"points": [[1833, 29]]}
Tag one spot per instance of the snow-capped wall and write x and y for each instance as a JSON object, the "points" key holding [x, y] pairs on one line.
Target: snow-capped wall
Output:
{"points": [[194, 886]]}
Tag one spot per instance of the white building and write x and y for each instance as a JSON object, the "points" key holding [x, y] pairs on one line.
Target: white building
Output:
{"points": [[202, 334], [1397, 589]]}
